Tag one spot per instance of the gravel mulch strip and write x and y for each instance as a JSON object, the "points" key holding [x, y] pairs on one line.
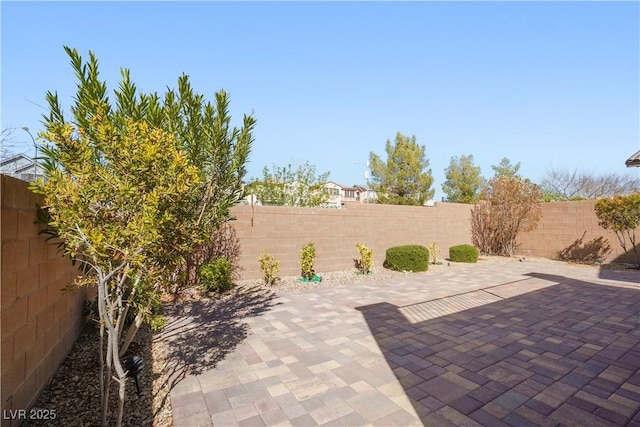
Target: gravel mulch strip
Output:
{"points": [[348, 277], [74, 391]]}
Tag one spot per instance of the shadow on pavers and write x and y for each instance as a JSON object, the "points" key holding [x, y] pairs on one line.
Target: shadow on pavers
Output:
{"points": [[568, 353], [200, 333], [631, 275]]}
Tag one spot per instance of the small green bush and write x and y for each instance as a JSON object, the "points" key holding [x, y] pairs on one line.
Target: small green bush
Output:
{"points": [[269, 267], [407, 258], [216, 275], [365, 262], [463, 253], [307, 258]]}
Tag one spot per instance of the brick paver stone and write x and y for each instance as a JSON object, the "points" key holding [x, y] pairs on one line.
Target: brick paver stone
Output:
{"points": [[498, 344]]}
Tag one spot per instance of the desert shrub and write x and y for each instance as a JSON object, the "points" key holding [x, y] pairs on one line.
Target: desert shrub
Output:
{"points": [[463, 253], [269, 267], [307, 258], [407, 258], [434, 252], [508, 206], [365, 262], [224, 243], [216, 275], [621, 214]]}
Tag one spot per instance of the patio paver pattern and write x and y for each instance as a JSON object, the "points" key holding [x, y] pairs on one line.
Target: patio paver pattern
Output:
{"points": [[514, 344]]}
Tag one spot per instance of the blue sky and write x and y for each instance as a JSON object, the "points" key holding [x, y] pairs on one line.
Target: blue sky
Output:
{"points": [[547, 84]]}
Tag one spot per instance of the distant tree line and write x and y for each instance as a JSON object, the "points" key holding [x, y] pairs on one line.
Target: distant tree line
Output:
{"points": [[404, 178]]}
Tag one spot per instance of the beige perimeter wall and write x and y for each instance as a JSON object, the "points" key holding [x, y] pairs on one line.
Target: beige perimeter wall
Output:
{"points": [[572, 227], [282, 231], [39, 322], [565, 226]]}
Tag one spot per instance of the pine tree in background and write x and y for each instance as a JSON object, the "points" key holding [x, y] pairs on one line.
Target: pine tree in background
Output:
{"points": [[404, 178], [464, 180]]}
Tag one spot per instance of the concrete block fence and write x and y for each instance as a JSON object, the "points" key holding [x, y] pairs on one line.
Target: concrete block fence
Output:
{"points": [[572, 225], [282, 231], [39, 322]]}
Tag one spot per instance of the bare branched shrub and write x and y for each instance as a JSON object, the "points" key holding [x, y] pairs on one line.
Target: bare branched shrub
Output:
{"points": [[507, 206], [574, 185], [7, 142]]}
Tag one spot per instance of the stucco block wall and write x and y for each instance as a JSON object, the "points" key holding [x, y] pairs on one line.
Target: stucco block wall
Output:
{"points": [[39, 322], [570, 223], [282, 231]]}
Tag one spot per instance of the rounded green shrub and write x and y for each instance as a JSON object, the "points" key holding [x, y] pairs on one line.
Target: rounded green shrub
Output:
{"points": [[463, 253], [216, 275], [407, 258]]}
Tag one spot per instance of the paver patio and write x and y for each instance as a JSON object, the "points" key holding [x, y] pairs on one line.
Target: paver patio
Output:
{"points": [[496, 344]]}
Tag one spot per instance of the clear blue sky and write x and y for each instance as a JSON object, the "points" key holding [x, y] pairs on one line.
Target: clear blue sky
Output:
{"points": [[547, 84]]}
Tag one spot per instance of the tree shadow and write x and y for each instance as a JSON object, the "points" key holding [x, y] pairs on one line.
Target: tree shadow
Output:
{"points": [[594, 251], [518, 358], [200, 333], [628, 257]]}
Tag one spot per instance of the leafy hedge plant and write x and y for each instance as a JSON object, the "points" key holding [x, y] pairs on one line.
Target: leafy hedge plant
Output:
{"points": [[365, 262], [269, 267], [463, 253], [407, 258], [216, 275], [307, 258]]}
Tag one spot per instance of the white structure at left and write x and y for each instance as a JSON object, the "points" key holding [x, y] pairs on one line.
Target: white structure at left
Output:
{"points": [[22, 167]]}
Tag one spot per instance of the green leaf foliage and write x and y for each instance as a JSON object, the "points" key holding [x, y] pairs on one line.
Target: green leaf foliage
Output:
{"points": [[365, 262], [505, 169], [284, 186], [270, 268], [407, 258], [216, 275], [463, 180], [404, 178], [133, 186], [621, 214], [463, 253], [307, 259]]}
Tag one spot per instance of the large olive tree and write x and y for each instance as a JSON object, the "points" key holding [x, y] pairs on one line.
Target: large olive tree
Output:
{"points": [[132, 188]]}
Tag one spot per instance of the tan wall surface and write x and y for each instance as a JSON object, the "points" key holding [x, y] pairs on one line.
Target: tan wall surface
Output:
{"points": [[282, 231], [570, 223], [39, 323]]}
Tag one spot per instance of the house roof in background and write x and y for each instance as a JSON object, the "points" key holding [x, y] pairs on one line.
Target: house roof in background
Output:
{"points": [[634, 160]]}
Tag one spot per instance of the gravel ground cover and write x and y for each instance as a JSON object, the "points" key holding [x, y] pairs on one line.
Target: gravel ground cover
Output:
{"points": [[74, 391]]}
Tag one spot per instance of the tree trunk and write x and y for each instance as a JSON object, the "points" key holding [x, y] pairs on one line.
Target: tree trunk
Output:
{"points": [[107, 383], [122, 380], [131, 334]]}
